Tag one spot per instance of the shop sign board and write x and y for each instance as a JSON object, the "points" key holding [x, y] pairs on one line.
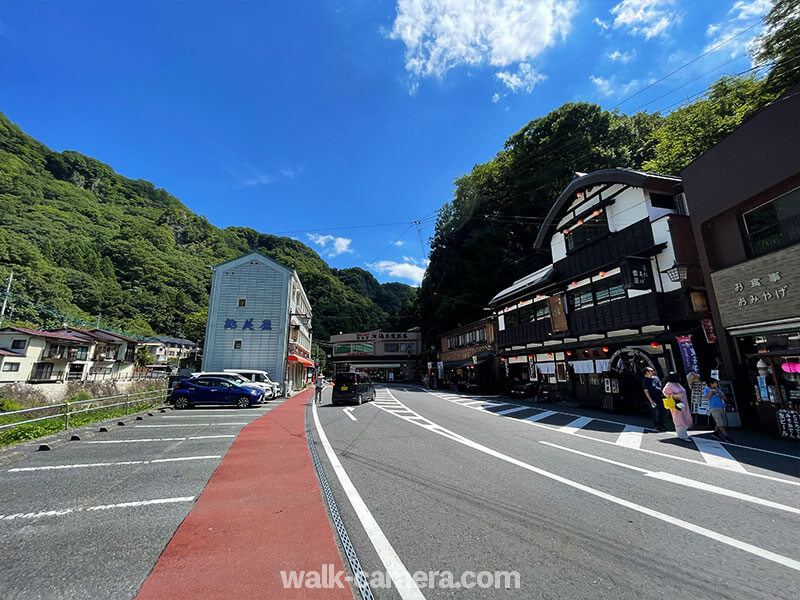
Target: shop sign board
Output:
{"points": [[636, 273], [789, 423], [759, 290], [558, 316], [708, 331]]}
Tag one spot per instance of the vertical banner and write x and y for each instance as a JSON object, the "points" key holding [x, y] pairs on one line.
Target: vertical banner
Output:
{"points": [[440, 367], [692, 367]]}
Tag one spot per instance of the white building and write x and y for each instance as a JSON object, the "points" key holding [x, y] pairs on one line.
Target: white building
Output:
{"points": [[259, 317]]}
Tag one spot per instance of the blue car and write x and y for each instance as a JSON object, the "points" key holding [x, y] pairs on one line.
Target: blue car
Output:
{"points": [[213, 390]]}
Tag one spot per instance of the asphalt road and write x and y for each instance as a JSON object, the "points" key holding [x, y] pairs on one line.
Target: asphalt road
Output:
{"points": [[578, 507], [90, 518]]}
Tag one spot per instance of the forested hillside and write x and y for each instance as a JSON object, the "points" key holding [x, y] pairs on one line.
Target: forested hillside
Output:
{"points": [[90, 246], [484, 236]]}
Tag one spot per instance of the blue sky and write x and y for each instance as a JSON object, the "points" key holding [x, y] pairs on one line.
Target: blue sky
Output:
{"points": [[340, 123]]}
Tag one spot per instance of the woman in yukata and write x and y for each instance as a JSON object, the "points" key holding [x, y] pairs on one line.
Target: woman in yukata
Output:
{"points": [[681, 417]]}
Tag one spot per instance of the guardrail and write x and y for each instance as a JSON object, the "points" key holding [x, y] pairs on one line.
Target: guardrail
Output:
{"points": [[66, 409]]}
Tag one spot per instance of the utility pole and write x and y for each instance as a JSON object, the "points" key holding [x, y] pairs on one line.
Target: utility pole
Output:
{"points": [[5, 298]]}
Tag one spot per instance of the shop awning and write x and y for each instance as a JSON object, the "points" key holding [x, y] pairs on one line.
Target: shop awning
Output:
{"points": [[301, 360], [783, 326], [582, 366], [375, 365]]}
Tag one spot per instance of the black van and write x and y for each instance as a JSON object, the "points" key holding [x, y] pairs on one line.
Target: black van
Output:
{"points": [[352, 387]]}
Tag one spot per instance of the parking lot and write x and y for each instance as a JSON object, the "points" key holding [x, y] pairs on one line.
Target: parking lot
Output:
{"points": [[90, 517]]}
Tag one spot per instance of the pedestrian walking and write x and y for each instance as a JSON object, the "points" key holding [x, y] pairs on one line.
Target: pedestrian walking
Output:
{"points": [[652, 391], [319, 387], [675, 400], [716, 407]]}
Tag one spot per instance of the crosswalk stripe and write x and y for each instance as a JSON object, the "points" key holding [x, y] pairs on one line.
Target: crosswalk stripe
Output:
{"points": [[714, 454], [631, 437], [512, 410], [540, 416], [578, 423]]}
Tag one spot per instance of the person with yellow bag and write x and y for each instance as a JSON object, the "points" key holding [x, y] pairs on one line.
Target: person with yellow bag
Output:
{"points": [[675, 400]]}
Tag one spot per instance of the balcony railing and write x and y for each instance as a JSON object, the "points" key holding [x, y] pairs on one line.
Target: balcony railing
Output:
{"points": [[774, 237]]}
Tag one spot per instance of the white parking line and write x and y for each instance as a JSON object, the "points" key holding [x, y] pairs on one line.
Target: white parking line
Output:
{"points": [[121, 463], [171, 439], [669, 519], [714, 454], [66, 511], [631, 437], [509, 411], [685, 481], [578, 423], [348, 412], [401, 578]]}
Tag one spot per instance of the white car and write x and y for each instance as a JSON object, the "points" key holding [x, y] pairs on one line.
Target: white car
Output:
{"points": [[266, 391], [260, 378]]}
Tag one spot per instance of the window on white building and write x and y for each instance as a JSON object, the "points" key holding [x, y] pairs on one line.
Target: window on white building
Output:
{"points": [[237, 344], [18, 344], [10, 367], [242, 302]]}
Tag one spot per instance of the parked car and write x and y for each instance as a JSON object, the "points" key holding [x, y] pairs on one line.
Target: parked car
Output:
{"points": [[260, 378], [352, 387], [213, 390], [240, 379], [524, 389]]}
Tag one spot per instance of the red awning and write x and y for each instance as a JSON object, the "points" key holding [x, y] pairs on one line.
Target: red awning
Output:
{"points": [[301, 360]]}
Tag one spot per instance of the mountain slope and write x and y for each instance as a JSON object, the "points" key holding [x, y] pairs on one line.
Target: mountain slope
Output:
{"points": [[89, 245]]}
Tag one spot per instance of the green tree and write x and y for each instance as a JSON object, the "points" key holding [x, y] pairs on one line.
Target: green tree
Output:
{"points": [[780, 46], [194, 326], [143, 356]]}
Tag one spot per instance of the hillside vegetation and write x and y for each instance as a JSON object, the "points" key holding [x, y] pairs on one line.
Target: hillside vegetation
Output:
{"points": [[90, 246]]}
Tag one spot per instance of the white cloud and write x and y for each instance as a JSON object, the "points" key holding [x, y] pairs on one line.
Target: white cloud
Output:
{"points": [[440, 35], [740, 16], [495, 98], [608, 86], [406, 270], [334, 246], [258, 179], [623, 57], [604, 25], [398, 243], [288, 172], [524, 79], [649, 18]]}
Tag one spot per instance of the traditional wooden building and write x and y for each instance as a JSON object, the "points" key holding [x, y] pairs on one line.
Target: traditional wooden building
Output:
{"points": [[469, 354], [621, 292]]}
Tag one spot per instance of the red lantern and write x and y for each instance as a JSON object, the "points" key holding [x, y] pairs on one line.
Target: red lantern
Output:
{"points": [[654, 344], [605, 349]]}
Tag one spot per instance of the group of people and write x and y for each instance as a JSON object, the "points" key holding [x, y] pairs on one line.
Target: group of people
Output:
{"points": [[673, 397]]}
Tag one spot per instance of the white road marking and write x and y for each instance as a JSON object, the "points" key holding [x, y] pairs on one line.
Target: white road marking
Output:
{"points": [[348, 413], [189, 425], [170, 439], [578, 423], [502, 413], [539, 416], [531, 421], [669, 519], [66, 511], [401, 578], [685, 481], [197, 416], [714, 454], [112, 464], [631, 437]]}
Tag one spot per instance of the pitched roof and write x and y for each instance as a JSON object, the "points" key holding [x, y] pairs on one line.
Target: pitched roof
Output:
{"points": [[165, 339], [114, 334], [523, 284], [45, 334]]}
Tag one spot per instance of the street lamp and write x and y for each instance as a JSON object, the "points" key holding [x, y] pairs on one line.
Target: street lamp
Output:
{"points": [[677, 272]]}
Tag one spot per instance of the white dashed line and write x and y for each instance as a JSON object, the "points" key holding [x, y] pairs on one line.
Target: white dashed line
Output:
{"points": [[170, 439], [578, 423], [121, 463], [348, 413], [66, 511], [631, 437]]}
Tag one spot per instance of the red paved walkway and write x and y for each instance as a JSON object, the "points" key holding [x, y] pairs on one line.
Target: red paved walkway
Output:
{"points": [[260, 513]]}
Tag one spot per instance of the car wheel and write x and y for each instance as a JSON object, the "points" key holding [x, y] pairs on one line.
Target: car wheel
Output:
{"points": [[181, 402], [243, 402]]}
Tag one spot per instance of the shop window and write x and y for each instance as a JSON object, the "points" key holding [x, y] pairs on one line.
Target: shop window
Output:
{"points": [[773, 225], [542, 310], [392, 347], [581, 298], [609, 290], [10, 367], [662, 200], [341, 349], [590, 231], [242, 302], [526, 314], [18, 344], [237, 344]]}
